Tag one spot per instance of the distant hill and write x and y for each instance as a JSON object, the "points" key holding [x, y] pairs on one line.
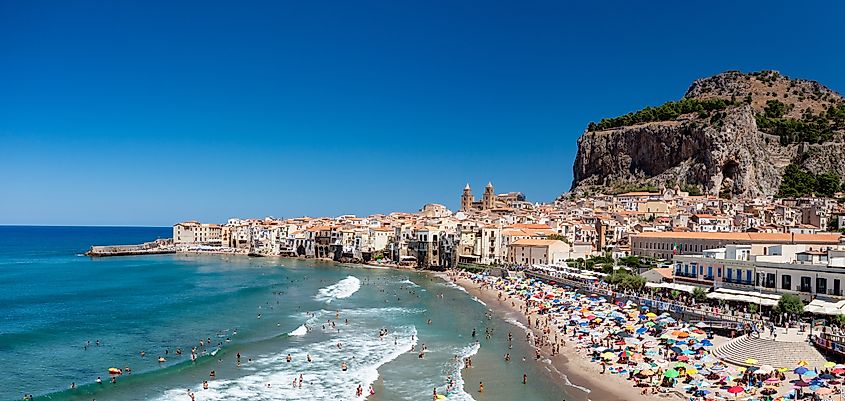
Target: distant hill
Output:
{"points": [[732, 134]]}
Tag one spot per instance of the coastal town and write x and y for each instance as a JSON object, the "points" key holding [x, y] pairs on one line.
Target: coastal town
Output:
{"points": [[770, 245], [683, 295]]}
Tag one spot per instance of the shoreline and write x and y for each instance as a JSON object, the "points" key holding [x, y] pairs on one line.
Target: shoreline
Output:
{"points": [[575, 372]]}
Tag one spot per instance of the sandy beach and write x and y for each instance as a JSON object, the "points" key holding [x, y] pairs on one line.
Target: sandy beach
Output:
{"points": [[582, 378]]}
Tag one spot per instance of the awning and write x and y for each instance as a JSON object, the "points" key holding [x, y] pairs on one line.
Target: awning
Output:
{"points": [[751, 297], [672, 286]]}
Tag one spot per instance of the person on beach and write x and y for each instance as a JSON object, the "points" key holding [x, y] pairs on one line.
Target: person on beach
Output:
{"points": [[480, 387]]}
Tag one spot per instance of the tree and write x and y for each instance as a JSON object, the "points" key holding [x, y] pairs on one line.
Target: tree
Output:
{"points": [[828, 183], [699, 294], [774, 109], [790, 304], [796, 182]]}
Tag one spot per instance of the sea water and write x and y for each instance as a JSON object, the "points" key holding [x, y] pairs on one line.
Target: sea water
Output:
{"points": [[56, 305]]}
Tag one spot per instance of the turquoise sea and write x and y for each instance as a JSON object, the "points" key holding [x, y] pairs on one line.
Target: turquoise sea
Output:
{"points": [[55, 305]]}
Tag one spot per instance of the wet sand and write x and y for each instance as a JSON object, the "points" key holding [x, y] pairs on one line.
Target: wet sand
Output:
{"points": [[568, 364]]}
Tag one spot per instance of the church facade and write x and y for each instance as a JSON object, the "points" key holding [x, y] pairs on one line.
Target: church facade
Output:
{"points": [[489, 200]]}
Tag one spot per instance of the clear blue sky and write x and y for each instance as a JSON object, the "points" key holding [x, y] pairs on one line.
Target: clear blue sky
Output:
{"points": [[146, 113]]}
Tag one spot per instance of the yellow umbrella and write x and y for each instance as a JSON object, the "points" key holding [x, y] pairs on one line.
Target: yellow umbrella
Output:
{"points": [[692, 371], [782, 370], [802, 363], [608, 355], [829, 364], [751, 361], [650, 315]]}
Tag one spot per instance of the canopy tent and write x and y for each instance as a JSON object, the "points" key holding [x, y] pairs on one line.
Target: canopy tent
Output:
{"points": [[751, 297], [819, 307], [672, 286]]}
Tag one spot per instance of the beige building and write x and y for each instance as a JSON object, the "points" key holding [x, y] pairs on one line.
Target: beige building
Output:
{"points": [[666, 244], [538, 251], [194, 233]]}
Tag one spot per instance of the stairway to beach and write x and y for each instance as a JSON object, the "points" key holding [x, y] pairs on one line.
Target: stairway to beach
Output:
{"points": [[768, 352]]}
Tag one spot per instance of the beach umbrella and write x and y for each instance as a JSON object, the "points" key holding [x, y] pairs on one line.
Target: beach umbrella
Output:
{"points": [[772, 380], [736, 390], [800, 383], [671, 373], [692, 371], [802, 363], [650, 315], [824, 391], [800, 371], [683, 358], [766, 369], [827, 376], [751, 361], [838, 371], [829, 364], [783, 370], [706, 343], [608, 355], [810, 374], [647, 372]]}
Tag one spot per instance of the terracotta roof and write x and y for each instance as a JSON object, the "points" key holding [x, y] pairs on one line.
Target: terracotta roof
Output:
{"points": [[751, 237], [535, 242]]}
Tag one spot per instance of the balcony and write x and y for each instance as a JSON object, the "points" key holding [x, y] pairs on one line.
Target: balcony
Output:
{"points": [[687, 275], [737, 281]]}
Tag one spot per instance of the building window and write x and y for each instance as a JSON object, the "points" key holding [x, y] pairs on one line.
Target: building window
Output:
{"points": [[805, 284], [786, 282], [821, 285]]}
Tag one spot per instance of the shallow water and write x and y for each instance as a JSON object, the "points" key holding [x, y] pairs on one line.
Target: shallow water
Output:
{"points": [[53, 302]]}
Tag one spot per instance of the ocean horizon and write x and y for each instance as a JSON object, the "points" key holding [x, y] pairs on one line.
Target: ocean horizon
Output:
{"points": [[69, 318]]}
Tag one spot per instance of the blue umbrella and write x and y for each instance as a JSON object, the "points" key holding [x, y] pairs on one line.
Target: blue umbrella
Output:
{"points": [[706, 343], [800, 370]]}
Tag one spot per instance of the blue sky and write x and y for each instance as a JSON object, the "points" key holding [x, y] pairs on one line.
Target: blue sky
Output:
{"points": [[146, 113]]}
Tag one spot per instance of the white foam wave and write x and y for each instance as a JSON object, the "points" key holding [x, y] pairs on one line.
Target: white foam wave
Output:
{"points": [[478, 300], [458, 393], [519, 324], [322, 378], [565, 377], [409, 282], [456, 286], [342, 289], [299, 331]]}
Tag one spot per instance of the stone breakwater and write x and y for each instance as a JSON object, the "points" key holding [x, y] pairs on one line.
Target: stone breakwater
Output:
{"points": [[147, 248]]}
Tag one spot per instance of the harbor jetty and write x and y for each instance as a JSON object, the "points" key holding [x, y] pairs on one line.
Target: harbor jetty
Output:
{"points": [[159, 246]]}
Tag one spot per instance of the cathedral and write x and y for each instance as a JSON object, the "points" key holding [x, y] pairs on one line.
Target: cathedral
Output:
{"points": [[490, 200]]}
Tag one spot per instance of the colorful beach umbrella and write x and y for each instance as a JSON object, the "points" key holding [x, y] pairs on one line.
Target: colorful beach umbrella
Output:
{"points": [[736, 389], [751, 361], [671, 373]]}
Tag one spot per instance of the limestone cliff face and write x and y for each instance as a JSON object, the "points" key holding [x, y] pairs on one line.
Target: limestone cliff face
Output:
{"points": [[727, 155]]}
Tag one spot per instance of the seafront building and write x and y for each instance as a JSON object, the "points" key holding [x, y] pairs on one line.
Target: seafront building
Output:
{"points": [[766, 245]]}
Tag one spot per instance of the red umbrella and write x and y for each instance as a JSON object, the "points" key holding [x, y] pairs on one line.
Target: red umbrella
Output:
{"points": [[736, 389], [838, 371]]}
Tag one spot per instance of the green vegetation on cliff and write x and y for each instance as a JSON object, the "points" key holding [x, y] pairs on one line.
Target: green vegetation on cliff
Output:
{"points": [[799, 182], [812, 128], [665, 112]]}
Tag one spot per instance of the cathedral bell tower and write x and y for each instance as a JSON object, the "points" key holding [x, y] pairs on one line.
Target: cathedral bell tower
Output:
{"points": [[467, 199]]}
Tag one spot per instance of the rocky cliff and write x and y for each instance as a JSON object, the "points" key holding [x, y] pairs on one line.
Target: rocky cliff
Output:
{"points": [[718, 148]]}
